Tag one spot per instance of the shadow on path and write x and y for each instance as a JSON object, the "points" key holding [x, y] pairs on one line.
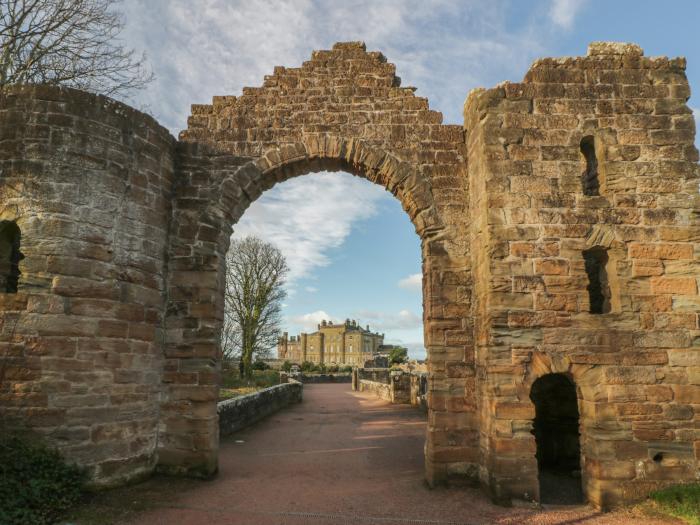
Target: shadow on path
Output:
{"points": [[337, 457]]}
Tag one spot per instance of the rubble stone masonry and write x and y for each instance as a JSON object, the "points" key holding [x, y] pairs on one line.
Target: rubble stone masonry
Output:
{"points": [[559, 229]]}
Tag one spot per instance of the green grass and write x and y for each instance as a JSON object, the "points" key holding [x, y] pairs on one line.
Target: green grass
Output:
{"points": [[233, 385], [680, 501], [260, 379], [230, 393]]}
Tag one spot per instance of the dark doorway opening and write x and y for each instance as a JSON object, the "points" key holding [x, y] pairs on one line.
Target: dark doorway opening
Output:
{"points": [[556, 430]]}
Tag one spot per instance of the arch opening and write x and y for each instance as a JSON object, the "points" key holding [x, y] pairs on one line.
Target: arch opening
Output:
{"points": [[10, 256], [408, 185], [556, 431], [335, 199]]}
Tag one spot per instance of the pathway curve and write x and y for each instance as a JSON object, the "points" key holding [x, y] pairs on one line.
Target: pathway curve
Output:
{"points": [[341, 457]]}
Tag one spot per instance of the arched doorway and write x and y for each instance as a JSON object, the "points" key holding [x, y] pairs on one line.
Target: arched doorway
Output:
{"points": [[556, 430]]}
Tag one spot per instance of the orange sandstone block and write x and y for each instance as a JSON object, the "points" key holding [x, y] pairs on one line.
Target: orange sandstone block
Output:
{"points": [[661, 251], [674, 285], [522, 249], [513, 410], [646, 268], [551, 266], [676, 251]]}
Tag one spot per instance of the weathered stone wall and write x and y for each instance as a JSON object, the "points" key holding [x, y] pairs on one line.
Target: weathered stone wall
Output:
{"points": [[400, 387], [240, 412], [326, 378], [635, 366], [380, 390], [392, 386], [88, 181]]}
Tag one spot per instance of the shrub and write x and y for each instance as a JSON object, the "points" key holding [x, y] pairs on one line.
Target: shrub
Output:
{"points": [[308, 366], [260, 365], [286, 366], [261, 378], [265, 378], [346, 369], [333, 369], [398, 355], [36, 485], [230, 378]]}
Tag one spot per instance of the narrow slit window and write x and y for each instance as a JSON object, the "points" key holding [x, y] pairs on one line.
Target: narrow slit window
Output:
{"points": [[596, 260], [10, 256], [589, 179]]}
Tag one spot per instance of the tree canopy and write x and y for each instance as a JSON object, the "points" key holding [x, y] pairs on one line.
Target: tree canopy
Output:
{"points": [[398, 355]]}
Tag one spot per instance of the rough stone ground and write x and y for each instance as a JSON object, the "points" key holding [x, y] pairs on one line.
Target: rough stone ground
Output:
{"points": [[338, 457]]}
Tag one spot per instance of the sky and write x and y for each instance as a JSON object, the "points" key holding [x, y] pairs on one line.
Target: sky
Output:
{"points": [[353, 252]]}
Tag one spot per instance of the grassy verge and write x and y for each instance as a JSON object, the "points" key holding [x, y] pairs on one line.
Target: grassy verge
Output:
{"points": [[230, 393], [233, 385], [680, 501]]}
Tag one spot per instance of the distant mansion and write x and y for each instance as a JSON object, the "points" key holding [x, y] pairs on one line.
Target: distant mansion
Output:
{"points": [[332, 344]]}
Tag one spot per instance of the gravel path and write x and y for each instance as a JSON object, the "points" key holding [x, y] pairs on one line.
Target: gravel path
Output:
{"points": [[339, 457]]}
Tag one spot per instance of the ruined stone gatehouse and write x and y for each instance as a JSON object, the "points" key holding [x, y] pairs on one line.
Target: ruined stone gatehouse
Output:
{"points": [[560, 240]]}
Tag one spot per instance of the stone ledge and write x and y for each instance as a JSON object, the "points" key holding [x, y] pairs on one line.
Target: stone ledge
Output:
{"points": [[238, 413], [614, 48]]}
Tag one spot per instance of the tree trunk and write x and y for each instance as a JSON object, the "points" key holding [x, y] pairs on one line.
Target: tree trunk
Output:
{"points": [[247, 356]]}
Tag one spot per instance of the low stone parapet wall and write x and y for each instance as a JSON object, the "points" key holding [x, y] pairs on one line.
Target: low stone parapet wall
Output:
{"points": [[326, 378], [395, 386], [381, 390], [378, 375], [240, 412]]}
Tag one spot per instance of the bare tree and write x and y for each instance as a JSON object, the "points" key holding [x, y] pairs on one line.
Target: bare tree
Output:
{"points": [[255, 275], [69, 42]]}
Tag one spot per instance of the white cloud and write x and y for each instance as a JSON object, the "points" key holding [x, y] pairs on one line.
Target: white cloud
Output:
{"points": [[385, 321], [211, 47], [563, 12], [307, 216], [413, 282], [309, 322], [310, 289], [216, 47]]}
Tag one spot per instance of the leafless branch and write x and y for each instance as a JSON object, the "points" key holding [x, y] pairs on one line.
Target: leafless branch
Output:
{"points": [[70, 42]]}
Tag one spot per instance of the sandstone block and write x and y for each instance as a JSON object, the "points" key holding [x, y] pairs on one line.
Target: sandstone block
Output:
{"points": [[674, 285]]}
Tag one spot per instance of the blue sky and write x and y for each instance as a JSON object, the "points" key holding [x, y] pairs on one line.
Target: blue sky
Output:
{"points": [[353, 252]]}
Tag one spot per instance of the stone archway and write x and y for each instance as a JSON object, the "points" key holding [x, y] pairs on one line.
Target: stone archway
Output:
{"points": [[342, 110]]}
